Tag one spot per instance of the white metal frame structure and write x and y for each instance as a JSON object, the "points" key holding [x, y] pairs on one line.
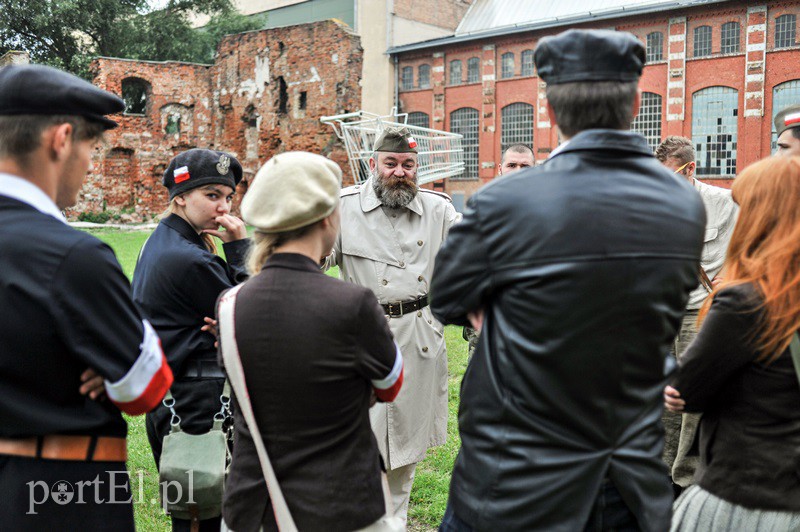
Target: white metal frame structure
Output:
{"points": [[440, 153]]}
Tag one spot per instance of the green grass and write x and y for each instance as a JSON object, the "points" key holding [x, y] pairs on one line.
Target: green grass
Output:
{"points": [[432, 481]]}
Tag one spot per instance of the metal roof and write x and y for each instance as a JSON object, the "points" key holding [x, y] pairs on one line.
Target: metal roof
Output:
{"points": [[490, 18]]}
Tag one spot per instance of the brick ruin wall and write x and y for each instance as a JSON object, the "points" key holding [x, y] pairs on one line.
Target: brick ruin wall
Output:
{"points": [[263, 95]]}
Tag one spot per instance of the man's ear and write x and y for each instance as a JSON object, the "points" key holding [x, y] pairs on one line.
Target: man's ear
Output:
{"points": [[58, 140], [180, 200], [691, 169], [372, 163]]}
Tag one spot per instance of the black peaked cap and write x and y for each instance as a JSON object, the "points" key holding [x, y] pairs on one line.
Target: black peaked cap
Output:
{"points": [[43, 90], [589, 55]]}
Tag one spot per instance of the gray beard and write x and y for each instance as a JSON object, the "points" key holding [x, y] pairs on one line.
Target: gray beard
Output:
{"points": [[393, 197]]}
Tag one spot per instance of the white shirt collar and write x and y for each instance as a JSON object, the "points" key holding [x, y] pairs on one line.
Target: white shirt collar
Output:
{"points": [[23, 190]]}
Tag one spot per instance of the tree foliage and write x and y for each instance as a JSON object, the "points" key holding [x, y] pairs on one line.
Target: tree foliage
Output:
{"points": [[68, 33]]}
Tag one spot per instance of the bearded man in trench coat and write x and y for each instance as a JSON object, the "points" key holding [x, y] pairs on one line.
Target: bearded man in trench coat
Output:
{"points": [[391, 233]]}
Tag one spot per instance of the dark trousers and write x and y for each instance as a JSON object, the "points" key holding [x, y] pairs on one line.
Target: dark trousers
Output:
{"points": [[196, 402], [609, 513], [64, 495]]}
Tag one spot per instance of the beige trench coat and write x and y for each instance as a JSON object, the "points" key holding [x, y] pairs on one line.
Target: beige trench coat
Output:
{"points": [[394, 258]]}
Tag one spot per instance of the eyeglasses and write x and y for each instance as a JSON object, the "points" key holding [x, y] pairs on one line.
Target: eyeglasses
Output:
{"points": [[680, 170]]}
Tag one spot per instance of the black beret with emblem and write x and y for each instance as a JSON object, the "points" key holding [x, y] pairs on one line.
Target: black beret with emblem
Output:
{"points": [[42, 90], [197, 167], [396, 140], [787, 119], [589, 55]]}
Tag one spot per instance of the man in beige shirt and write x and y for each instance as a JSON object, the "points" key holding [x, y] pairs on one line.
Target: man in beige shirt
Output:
{"points": [[391, 233], [677, 154]]}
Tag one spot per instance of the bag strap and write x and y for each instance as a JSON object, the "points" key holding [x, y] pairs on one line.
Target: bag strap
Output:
{"points": [[233, 367], [704, 280], [794, 348]]}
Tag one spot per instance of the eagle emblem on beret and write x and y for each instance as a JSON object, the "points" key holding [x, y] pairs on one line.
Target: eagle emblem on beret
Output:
{"points": [[224, 164]]}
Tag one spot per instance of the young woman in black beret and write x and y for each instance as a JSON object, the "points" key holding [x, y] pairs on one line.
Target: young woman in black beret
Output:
{"points": [[177, 280]]}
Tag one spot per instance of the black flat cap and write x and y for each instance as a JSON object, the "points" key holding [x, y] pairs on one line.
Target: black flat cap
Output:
{"points": [[589, 55], [42, 90], [198, 167]]}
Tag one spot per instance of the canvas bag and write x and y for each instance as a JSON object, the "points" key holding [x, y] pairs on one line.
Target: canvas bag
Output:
{"points": [[192, 468], [233, 367]]}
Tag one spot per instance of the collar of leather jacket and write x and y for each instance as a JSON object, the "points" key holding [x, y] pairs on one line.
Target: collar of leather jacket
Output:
{"points": [[607, 139]]}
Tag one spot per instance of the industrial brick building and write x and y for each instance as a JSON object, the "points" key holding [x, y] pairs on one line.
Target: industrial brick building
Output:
{"points": [[717, 72]]}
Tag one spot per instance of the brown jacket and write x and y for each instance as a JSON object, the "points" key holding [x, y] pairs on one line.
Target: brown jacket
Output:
{"points": [[750, 430], [312, 349]]}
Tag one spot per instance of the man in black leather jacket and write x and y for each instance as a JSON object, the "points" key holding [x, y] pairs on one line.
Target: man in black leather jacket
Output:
{"points": [[579, 272]]}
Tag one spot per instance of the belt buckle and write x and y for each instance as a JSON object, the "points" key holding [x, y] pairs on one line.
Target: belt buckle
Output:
{"points": [[396, 305]]}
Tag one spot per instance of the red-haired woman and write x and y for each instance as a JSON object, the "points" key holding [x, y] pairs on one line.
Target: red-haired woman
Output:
{"points": [[739, 371]]}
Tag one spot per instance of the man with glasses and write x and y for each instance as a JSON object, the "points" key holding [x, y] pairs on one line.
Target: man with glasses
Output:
{"points": [[677, 154]]}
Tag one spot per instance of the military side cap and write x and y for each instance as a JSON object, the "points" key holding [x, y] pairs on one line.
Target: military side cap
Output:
{"points": [[396, 140], [42, 90], [787, 119], [589, 55], [198, 167], [292, 190]]}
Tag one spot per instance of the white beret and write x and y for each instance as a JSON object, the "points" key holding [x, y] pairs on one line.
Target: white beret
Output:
{"points": [[292, 190]]}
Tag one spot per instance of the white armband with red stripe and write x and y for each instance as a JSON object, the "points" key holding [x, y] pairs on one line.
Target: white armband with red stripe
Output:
{"points": [[146, 383], [387, 388]]}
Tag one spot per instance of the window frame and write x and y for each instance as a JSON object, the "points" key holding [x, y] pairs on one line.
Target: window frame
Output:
{"points": [[460, 79], [513, 119], [476, 62], [651, 47], [504, 72], [793, 27], [427, 68], [738, 33], [407, 82], [470, 142], [695, 34]]}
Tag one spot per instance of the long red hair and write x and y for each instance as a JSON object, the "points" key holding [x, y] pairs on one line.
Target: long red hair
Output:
{"points": [[765, 249]]}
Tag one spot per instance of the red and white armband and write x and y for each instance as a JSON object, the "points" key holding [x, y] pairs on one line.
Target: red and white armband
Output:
{"points": [[387, 388], [146, 383]]}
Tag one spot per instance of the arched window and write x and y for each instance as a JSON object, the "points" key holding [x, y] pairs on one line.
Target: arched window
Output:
{"points": [[473, 70], [702, 41], [465, 121], [135, 92], [424, 76], [731, 36], [655, 46], [516, 125], [785, 31], [419, 119], [783, 96], [527, 62], [455, 72], [407, 79], [648, 121], [507, 62], [715, 112]]}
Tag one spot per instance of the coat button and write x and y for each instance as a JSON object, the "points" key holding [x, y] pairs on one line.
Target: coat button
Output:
{"points": [[402, 264], [424, 349], [429, 321], [420, 278], [419, 313], [385, 282], [419, 242]]}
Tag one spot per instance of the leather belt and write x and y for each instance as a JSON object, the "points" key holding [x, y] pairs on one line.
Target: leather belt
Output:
{"points": [[399, 308], [59, 447], [195, 369]]}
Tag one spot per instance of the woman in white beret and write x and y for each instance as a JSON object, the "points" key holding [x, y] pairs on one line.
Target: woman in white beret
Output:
{"points": [[316, 352]]}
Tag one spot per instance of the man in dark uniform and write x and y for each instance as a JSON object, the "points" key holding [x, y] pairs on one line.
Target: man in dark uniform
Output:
{"points": [[66, 306], [583, 266]]}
